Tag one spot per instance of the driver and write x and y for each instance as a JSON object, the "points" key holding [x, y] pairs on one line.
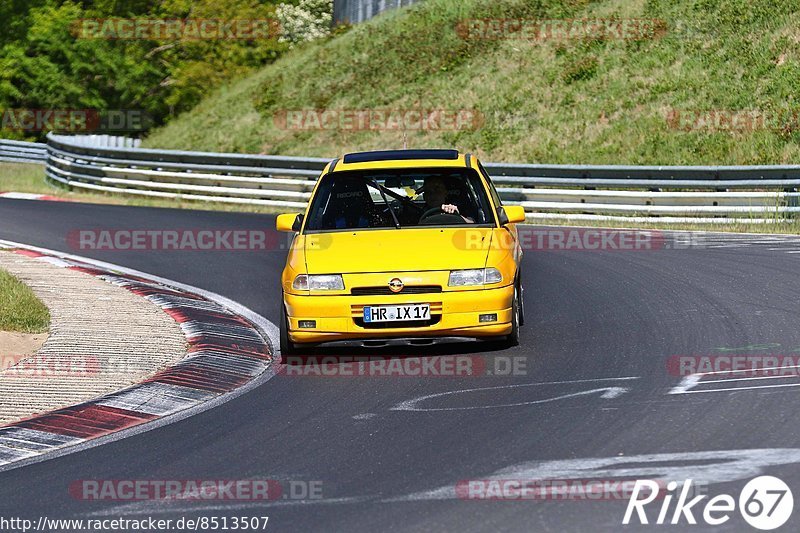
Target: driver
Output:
{"points": [[435, 195]]}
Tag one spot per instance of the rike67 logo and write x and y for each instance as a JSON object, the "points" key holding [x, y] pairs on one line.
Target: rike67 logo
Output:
{"points": [[765, 503]]}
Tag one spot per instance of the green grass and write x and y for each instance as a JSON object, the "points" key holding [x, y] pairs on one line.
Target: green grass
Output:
{"points": [[19, 177], [590, 102], [20, 310]]}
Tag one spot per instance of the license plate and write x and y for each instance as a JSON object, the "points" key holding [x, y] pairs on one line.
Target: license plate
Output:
{"points": [[396, 313]]}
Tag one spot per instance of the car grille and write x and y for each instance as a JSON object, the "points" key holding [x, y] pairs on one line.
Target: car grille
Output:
{"points": [[385, 291]]}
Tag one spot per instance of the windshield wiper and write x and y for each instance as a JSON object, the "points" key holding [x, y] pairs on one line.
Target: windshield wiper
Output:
{"points": [[381, 189]]}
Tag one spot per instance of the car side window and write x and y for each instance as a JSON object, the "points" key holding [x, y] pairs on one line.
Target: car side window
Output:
{"points": [[492, 191]]}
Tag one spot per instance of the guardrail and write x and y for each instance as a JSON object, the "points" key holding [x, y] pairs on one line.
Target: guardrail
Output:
{"points": [[284, 182], [355, 11], [22, 152], [630, 193]]}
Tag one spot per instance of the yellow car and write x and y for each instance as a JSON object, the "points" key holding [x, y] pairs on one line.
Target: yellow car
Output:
{"points": [[402, 246]]}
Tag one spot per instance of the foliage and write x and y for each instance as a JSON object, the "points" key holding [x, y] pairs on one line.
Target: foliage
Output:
{"points": [[46, 64], [591, 101], [306, 21]]}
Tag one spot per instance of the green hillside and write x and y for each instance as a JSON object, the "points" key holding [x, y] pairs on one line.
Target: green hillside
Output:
{"points": [[599, 101]]}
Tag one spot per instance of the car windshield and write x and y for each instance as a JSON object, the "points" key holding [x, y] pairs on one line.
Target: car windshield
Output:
{"points": [[399, 199]]}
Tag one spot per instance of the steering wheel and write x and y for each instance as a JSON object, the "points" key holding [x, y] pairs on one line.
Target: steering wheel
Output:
{"points": [[435, 215], [431, 212]]}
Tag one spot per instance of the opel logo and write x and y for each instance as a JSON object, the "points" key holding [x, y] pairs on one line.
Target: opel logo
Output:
{"points": [[396, 285]]}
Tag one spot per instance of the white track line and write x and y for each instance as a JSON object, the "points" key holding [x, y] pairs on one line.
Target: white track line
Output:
{"points": [[734, 389], [743, 370], [694, 380], [749, 379]]}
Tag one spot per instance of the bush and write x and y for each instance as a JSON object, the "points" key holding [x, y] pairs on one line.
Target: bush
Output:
{"points": [[307, 21], [45, 65]]}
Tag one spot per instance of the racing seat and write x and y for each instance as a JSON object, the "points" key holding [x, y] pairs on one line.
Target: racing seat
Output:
{"points": [[351, 206], [458, 195]]}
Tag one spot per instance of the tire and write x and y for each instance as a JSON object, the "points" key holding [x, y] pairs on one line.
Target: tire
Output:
{"points": [[516, 318], [287, 347], [512, 339]]}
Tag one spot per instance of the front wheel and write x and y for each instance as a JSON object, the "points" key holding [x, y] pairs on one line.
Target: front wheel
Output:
{"points": [[287, 347], [516, 318], [512, 339]]}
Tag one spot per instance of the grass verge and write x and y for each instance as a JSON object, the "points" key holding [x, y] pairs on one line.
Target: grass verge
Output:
{"points": [[587, 100], [20, 310]]}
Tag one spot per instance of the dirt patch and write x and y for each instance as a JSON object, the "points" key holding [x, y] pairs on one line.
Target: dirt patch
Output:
{"points": [[19, 345]]}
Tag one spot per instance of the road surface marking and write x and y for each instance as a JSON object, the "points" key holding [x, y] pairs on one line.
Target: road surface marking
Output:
{"points": [[607, 393]]}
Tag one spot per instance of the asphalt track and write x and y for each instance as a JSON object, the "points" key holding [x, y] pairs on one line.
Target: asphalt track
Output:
{"points": [[600, 328]]}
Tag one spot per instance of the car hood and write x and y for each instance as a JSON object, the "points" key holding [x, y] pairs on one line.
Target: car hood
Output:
{"points": [[403, 250]]}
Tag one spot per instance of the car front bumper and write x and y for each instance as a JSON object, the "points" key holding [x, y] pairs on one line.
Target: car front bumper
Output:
{"points": [[453, 313]]}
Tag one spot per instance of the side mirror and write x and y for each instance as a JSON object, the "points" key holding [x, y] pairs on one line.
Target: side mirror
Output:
{"points": [[511, 214], [289, 222]]}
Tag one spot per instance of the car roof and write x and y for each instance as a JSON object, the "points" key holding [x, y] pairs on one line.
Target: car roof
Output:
{"points": [[388, 159], [398, 155]]}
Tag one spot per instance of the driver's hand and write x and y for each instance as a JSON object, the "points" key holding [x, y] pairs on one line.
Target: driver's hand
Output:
{"points": [[450, 209]]}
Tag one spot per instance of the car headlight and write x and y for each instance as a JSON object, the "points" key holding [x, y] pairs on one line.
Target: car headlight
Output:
{"points": [[325, 282], [476, 276]]}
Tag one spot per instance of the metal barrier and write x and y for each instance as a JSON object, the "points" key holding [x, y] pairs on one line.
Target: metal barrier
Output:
{"points": [[355, 11], [22, 152], [674, 194], [284, 182], [581, 192]]}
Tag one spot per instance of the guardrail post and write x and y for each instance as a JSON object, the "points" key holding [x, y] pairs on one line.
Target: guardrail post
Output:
{"points": [[792, 201]]}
